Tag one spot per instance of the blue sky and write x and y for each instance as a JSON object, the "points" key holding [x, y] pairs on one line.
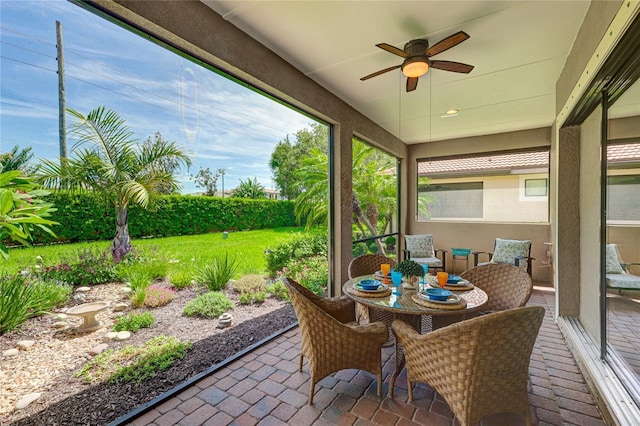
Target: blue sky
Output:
{"points": [[218, 122]]}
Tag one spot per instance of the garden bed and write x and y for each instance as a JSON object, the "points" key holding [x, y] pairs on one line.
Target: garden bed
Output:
{"points": [[49, 366]]}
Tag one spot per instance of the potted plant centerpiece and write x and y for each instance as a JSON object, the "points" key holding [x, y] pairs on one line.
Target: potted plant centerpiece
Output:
{"points": [[411, 273], [390, 243]]}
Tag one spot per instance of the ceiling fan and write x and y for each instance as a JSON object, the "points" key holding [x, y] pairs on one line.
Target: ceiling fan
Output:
{"points": [[417, 62]]}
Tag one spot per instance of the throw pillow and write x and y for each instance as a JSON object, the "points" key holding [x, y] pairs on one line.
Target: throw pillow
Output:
{"points": [[506, 251], [419, 245], [613, 262]]}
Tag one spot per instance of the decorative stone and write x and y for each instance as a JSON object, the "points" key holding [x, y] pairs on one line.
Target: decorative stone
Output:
{"points": [[98, 349], [10, 352], [79, 297], [123, 335], [110, 336], [26, 400], [225, 320], [83, 289], [62, 316], [120, 306], [25, 345], [59, 324], [125, 290]]}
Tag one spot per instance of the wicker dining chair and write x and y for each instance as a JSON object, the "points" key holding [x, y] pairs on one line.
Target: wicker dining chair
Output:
{"points": [[479, 366], [368, 264], [506, 285], [331, 340]]}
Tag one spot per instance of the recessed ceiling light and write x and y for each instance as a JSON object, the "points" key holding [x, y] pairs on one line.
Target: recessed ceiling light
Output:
{"points": [[452, 111]]}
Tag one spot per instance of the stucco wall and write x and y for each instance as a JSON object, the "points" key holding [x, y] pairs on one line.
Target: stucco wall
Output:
{"points": [[590, 224]]}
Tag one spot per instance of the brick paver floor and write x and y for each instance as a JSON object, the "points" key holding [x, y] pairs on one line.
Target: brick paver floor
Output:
{"points": [[264, 387]]}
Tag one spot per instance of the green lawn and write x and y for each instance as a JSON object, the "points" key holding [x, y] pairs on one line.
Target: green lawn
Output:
{"points": [[183, 253]]}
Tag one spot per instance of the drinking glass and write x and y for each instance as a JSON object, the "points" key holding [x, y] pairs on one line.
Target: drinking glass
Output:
{"points": [[442, 278], [425, 268], [396, 278], [385, 268]]}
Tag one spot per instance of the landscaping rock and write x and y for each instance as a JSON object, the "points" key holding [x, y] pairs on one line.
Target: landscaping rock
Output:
{"points": [[123, 335], [126, 290], [120, 307], [59, 324], [11, 352], [79, 297], [25, 345], [62, 316], [98, 349], [110, 336], [26, 400], [83, 289]]}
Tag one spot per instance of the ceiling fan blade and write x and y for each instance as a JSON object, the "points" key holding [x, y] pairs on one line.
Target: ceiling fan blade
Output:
{"points": [[412, 83], [377, 73], [392, 49], [447, 43], [452, 66]]}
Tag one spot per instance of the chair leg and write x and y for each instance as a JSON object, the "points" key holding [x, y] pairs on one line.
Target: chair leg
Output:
{"points": [[311, 390], [301, 360], [410, 389], [379, 384]]}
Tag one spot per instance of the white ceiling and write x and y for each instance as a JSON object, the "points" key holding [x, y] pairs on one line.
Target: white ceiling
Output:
{"points": [[518, 49]]}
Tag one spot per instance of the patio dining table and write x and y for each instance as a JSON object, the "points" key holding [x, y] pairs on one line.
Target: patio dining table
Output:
{"points": [[407, 307]]}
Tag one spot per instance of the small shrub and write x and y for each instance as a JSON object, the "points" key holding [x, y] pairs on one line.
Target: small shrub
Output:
{"points": [[312, 272], [209, 305], [88, 267], [158, 296], [299, 246], [135, 364], [134, 322], [251, 283], [278, 290], [139, 280], [21, 299], [260, 296], [245, 298], [217, 274], [181, 279]]}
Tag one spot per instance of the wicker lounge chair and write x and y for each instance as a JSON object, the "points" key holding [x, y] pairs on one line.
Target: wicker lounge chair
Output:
{"points": [[479, 366], [331, 340], [507, 286], [368, 264]]}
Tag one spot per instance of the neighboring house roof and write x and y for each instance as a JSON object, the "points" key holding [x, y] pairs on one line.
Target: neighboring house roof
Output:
{"points": [[506, 163]]}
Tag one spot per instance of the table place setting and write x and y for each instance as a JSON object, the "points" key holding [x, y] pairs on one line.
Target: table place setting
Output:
{"points": [[370, 288], [439, 298], [450, 282]]}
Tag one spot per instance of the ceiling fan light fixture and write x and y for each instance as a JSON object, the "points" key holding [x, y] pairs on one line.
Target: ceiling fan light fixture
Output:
{"points": [[415, 67]]}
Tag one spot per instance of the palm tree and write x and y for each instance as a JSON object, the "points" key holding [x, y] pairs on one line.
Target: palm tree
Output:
{"points": [[107, 160], [373, 193], [250, 189]]}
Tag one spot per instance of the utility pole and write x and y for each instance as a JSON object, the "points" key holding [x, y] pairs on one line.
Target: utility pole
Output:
{"points": [[222, 172], [62, 125]]}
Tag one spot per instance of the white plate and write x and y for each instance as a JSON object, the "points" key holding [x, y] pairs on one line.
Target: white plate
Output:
{"points": [[381, 288], [453, 299]]}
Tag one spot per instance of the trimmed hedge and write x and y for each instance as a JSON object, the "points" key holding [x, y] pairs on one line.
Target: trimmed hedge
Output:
{"points": [[85, 217]]}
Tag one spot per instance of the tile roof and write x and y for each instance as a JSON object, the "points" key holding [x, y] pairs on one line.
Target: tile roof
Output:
{"points": [[505, 163]]}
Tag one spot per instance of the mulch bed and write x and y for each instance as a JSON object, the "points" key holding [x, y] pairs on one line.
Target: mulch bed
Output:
{"points": [[104, 403]]}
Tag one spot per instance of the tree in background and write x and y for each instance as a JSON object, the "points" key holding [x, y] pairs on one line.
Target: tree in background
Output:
{"points": [[16, 159], [169, 164], [287, 155], [249, 189], [106, 159], [21, 209], [208, 180], [373, 190]]}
